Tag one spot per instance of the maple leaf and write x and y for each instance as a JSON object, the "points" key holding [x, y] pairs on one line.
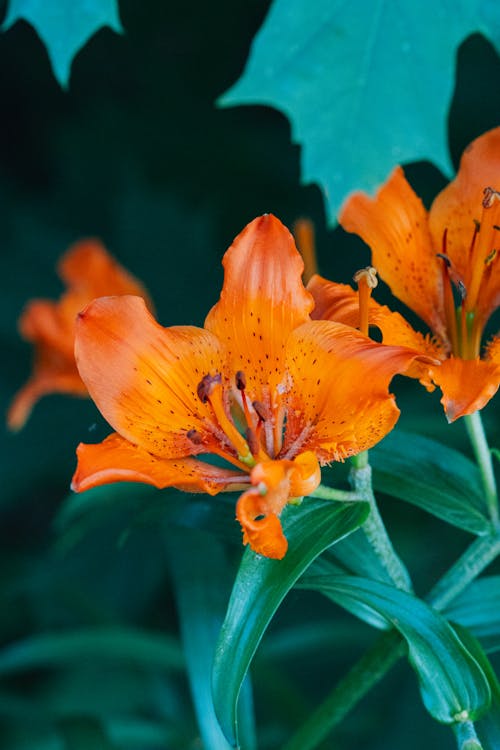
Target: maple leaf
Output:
{"points": [[365, 85], [64, 26]]}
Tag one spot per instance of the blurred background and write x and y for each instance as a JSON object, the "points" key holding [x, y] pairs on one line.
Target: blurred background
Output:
{"points": [[137, 153]]}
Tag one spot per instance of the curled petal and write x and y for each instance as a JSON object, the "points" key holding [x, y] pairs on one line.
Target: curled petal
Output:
{"points": [[117, 460], [305, 474], [458, 207], [144, 377], [338, 401], [262, 300], [261, 530], [467, 385], [394, 225]]}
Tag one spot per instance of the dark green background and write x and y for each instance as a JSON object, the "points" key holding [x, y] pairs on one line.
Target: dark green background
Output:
{"points": [[137, 153]]}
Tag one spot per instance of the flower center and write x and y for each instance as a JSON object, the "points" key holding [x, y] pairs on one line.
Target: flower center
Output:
{"points": [[464, 317], [243, 449]]}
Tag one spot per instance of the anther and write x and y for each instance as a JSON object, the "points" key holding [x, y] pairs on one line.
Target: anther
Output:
{"points": [[368, 276], [489, 197], [194, 436], [241, 381], [207, 385], [260, 410]]}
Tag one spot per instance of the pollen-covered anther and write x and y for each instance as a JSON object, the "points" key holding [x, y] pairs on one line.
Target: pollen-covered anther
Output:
{"points": [[489, 196], [194, 436], [260, 410], [206, 386], [367, 276], [241, 380]]}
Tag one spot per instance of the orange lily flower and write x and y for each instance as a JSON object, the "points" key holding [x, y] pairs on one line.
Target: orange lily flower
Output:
{"points": [[443, 264], [261, 386], [88, 271]]}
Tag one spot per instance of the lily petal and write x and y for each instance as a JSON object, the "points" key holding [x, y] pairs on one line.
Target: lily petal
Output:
{"points": [[261, 529], [467, 385], [458, 207], [117, 460], [262, 300], [394, 225], [338, 398], [43, 382], [143, 377], [493, 350], [340, 303]]}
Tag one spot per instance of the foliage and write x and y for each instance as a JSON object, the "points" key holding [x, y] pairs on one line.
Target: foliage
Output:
{"points": [[132, 617]]}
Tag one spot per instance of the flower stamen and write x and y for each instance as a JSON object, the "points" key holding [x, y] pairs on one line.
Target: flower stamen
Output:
{"points": [[366, 279]]}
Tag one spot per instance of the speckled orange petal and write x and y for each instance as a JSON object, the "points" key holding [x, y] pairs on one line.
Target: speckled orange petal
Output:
{"points": [[458, 206], [467, 385], [493, 350], [144, 377], [262, 301], [117, 460], [340, 303], [394, 225], [261, 530], [338, 398]]}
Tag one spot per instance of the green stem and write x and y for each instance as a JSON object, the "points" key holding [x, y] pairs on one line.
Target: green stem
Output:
{"points": [[372, 666], [467, 738], [373, 527], [474, 560], [482, 453], [329, 493], [389, 648]]}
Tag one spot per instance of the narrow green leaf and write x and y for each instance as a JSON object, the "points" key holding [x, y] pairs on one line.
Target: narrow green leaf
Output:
{"points": [[449, 488], [343, 71], [478, 608], [261, 585], [453, 686], [103, 644], [201, 579], [64, 26], [488, 727]]}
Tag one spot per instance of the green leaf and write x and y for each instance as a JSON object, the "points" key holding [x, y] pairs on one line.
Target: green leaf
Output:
{"points": [[85, 733], [488, 727], [102, 644], [453, 686], [478, 608], [64, 26], [365, 85], [200, 571], [449, 487], [259, 589]]}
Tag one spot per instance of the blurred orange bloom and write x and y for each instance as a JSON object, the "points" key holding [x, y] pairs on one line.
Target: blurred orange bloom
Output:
{"points": [[88, 271], [443, 264], [261, 386]]}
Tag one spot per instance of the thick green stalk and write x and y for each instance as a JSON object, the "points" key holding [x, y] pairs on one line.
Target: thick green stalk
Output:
{"points": [[389, 648], [373, 527], [483, 456], [372, 666], [467, 738]]}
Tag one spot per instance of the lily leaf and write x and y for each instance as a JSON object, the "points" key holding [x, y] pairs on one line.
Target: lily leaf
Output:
{"points": [[260, 587], [344, 71], [478, 608], [64, 26], [125, 645], [449, 488], [200, 571], [453, 685]]}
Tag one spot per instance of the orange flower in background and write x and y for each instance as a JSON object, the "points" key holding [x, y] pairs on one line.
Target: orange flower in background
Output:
{"points": [[261, 386], [88, 271], [443, 264]]}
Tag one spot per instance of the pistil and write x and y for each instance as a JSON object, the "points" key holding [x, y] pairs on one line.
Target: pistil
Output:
{"points": [[366, 279]]}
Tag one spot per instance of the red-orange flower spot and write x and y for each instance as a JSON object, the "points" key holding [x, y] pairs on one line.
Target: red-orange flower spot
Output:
{"points": [[88, 271], [443, 264], [267, 390]]}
